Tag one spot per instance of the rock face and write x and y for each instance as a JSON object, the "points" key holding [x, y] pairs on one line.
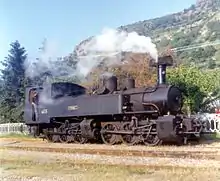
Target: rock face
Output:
{"points": [[197, 24]]}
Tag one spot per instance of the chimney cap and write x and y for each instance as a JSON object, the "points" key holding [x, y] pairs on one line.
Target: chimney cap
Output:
{"points": [[165, 60]]}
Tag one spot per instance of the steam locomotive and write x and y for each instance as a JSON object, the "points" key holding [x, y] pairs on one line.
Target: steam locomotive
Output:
{"points": [[64, 112]]}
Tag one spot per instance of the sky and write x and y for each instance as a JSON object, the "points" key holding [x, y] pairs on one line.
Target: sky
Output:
{"points": [[67, 22]]}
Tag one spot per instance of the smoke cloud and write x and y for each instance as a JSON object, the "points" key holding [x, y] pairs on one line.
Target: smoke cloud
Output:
{"points": [[107, 49], [47, 63]]}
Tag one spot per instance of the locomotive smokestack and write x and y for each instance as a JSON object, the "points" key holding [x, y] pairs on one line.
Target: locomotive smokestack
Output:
{"points": [[161, 74], [161, 65]]}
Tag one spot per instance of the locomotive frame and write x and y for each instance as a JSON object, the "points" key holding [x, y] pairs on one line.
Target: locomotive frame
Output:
{"points": [[64, 112]]}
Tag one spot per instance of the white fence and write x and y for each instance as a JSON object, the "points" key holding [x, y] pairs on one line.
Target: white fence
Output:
{"points": [[212, 122], [13, 128]]}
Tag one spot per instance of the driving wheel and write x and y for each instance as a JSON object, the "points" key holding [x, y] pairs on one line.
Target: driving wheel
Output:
{"points": [[109, 138], [128, 139]]}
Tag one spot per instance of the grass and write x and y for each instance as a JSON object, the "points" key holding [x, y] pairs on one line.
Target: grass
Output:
{"points": [[24, 165], [17, 137], [24, 168], [211, 137]]}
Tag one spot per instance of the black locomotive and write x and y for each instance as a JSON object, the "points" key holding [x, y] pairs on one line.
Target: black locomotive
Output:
{"points": [[65, 112]]}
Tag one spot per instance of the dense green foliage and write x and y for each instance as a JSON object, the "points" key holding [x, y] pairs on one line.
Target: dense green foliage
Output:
{"points": [[13, 83], [201, 87]]}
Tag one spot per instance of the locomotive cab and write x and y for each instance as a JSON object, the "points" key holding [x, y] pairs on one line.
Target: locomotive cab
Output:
{"points": [[32, 102]]}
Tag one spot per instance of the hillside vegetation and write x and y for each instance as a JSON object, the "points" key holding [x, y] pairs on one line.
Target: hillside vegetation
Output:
{"points": [[197, 24]]}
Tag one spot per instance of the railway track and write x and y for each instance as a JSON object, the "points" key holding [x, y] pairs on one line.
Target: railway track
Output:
{"points": [[209, 152], [214, 155]]}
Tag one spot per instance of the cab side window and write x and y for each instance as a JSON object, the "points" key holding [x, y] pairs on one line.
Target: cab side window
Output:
{"points": [[66, 89], [33, 96]]}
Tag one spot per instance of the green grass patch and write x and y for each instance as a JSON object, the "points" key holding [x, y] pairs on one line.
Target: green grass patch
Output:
{"points": [[213, 136], [218, 135], [15, 135]]}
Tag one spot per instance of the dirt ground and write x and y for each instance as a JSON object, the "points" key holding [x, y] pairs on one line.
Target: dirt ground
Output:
{"points": [[38, 160]]}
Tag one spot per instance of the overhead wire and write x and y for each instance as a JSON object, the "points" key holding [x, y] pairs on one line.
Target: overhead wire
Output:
{"points": [[177, 49], [184, 48]]}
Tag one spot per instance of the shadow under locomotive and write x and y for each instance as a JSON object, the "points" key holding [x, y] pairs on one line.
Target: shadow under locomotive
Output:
{"points": [[149, 115]]}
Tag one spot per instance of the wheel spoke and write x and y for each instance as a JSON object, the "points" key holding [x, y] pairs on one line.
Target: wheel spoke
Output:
{"points": [[109, 138], [126, 138]]}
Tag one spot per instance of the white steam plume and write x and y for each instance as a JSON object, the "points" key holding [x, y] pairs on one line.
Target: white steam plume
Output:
{"points": [[47, 66], [108, 46], [47, 61]]}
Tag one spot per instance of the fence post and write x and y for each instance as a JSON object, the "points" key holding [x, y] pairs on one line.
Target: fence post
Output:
{"points": [[8, 128]]}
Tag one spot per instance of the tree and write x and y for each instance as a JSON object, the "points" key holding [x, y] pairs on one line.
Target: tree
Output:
{"points": [[164, 42], [13, 83], [200, 86]]}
